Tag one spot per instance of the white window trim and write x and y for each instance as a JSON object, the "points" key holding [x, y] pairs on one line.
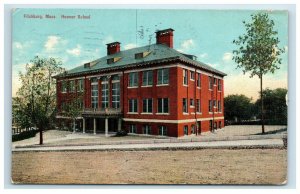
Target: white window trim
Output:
{"points": [[137, 104], [159, 113], [191, 75], [146, 113], [131, 87], [132, 113], [158, 85], [163, 113], [147, 106], [147, 86], [147, 79]]}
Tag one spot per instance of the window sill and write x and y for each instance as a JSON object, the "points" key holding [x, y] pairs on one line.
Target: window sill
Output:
{"points": [[192, 113], [185, 113], [146, 113], [132, 113], [132, 87], [185, 85], [192, 80], [210, 113], [162, 113], [192, 106], [199, 113], [159, 85], [63, 92], [198, 87], [146, 86]]}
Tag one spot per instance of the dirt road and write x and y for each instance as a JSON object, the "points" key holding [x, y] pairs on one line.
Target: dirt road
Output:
{"points": [[209, 166]]}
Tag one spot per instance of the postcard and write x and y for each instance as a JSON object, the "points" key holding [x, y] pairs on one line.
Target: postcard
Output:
{"points": [[149, 96]]}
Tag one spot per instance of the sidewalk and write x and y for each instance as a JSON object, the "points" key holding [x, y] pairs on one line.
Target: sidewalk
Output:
{"points": [[238, 144]]}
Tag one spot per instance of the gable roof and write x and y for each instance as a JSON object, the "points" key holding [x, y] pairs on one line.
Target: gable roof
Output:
{"points": [[157, 53]]}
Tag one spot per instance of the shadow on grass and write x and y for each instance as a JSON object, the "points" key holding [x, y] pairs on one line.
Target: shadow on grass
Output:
{"points": [[273, 132]]}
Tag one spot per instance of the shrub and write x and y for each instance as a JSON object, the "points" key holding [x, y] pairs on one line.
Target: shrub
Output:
{"points": [[24, 135], [121, 133]]}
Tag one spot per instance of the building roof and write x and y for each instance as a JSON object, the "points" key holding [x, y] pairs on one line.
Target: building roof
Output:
{"points": [[156, 53]]}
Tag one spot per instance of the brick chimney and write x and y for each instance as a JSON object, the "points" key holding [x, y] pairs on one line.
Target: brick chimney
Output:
{"points": [[113, 48], [165, 37]]}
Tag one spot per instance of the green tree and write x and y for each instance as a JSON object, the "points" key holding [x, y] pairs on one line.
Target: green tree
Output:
{"points": [[238, 106], [37, 94], [275, 105], [73, 108], [258, 51]]}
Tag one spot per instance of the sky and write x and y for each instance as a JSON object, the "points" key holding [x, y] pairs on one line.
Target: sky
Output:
{"points": [[207, 34]]}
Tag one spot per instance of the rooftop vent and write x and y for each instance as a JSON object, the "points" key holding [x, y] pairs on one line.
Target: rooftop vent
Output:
{"points": [[113, 60], [142, 55]]}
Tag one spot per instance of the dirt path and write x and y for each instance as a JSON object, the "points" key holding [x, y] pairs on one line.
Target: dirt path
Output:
{"points": [[209, 166]]}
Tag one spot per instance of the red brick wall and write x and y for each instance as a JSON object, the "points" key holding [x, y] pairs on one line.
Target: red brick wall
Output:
{"points": [[175, 91]]}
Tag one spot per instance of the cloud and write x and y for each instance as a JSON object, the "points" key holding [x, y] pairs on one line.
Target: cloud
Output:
{"points": [[227, 57], [18, 45], [51, 42], [130, 46], [203, 55], [75, 51], [108, 39], [186, 45]]}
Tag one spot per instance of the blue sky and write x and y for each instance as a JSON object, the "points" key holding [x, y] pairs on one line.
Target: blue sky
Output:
{"points": [[208, 34]]}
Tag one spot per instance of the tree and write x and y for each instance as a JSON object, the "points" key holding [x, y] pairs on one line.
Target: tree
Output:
{"points": [[275, 105], [238, 106], [73, 108], [37, 95], [258, 51]]}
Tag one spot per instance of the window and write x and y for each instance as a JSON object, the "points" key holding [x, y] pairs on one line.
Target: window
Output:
{"points": [[185, 77], [94, 90], [215, 81], [163, 76], [133, 79], [116, 94], [147, 129], [198, 106], [210, 83], [162, 130], [192, 103], [185, 130], [105, 92], [133, 106], [64, 86], [147, 105], [219, 106], [184, 105], [193, 129], [210, 105], [147, 78], [199, 80], [192, 76], [215, 103], [163, 105], [132, 129], [80, 85], [72, 85], [219, 85]]}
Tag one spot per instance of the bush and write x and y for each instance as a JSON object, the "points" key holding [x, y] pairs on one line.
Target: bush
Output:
{"points": [[24, 135], [121, 133]]}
